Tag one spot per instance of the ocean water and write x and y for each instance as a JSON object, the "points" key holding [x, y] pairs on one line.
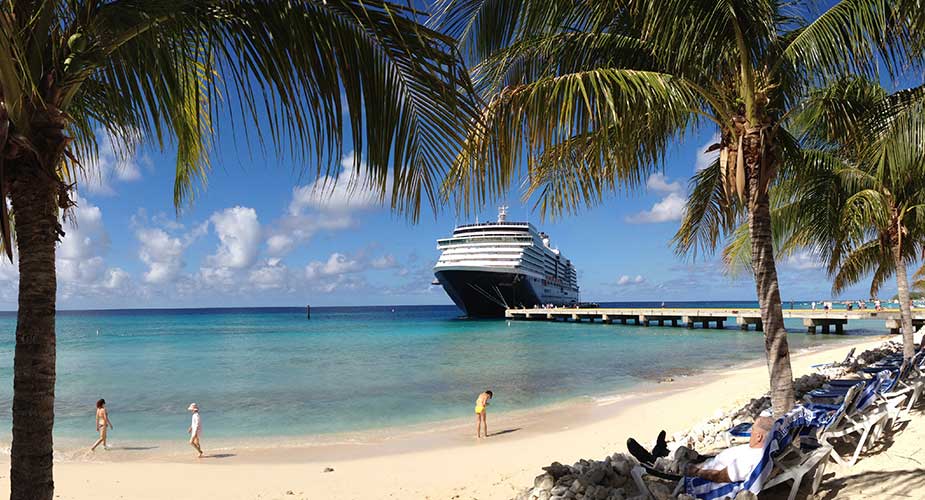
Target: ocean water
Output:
{"points": [[270, 372]]}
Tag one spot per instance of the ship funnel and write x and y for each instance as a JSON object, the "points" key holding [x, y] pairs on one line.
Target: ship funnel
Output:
{"points": [[502, 213]]}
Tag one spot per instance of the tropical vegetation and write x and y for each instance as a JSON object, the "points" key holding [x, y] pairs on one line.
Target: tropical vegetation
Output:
{"points": [[583, 98], [858, 203], [298, 78]]}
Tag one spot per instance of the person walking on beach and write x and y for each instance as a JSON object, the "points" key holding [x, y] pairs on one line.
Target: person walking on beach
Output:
{"points": [[102, 423], [481, 421], [195, 428]]}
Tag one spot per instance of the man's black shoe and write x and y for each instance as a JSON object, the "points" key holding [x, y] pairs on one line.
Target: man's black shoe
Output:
{"points": [[639, 452], [661, 446]]}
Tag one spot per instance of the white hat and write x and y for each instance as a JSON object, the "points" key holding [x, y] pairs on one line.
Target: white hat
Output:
{"points": [[193, 407]]}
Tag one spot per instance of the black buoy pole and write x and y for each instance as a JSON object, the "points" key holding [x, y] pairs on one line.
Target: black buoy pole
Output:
{"points": [[308, 312]]}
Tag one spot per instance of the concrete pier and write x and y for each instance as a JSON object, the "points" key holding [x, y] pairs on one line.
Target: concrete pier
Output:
{"points": [[827, 321]]}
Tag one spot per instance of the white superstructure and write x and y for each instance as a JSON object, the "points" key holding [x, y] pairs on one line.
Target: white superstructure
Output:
{"points": [[505, 264]]}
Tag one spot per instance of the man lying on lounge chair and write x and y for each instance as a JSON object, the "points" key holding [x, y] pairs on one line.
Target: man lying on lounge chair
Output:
{"points": [[731, 465]]}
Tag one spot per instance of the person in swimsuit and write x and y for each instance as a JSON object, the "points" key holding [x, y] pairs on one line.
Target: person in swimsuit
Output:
{"points": [[102, 423], [195, 428], [480, 417]]}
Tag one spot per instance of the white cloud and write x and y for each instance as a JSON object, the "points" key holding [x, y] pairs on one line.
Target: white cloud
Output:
{"points": [[79, 257], [162, 253], [327, 204], [272, 274], [658, 183], [113, 162], [384, 262], [704, 159], [669, 208], [239, 237], [628, 280], [336, 264], [349, 190], [803, 260]]}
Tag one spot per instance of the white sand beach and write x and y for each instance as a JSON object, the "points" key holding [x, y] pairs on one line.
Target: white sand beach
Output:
{"points": [[451, 464]]}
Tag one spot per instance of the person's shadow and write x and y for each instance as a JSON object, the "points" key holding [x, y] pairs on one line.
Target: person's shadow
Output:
{"points": [[220, 455], [506, 431]]}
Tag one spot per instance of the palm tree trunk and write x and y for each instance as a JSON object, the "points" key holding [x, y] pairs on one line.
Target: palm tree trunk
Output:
{"points": [[35, 206], [905, 307], [765, 269]]}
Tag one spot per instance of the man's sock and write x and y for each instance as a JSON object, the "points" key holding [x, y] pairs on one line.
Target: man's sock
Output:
{"points": [[661, 446], [639, 452]]}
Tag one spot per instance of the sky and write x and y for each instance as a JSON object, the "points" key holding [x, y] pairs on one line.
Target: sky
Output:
{"points": [[262, 233]]}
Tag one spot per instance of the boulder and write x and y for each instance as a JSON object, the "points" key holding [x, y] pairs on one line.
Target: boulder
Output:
{"points": [[566, 480], [593, 476], [660, 491], [623, 464], [558, 490], [557, 470], [544, 481]]}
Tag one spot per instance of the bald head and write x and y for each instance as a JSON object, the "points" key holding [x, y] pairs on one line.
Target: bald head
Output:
{"points": [[760, 430]]}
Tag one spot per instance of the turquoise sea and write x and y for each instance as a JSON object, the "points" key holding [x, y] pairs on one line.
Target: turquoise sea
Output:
{"points": [[270, 372]]}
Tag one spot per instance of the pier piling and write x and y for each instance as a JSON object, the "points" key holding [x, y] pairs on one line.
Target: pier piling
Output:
{"points": [[812, 319]]}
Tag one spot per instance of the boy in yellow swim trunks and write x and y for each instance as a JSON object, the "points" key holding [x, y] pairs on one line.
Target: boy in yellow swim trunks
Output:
{"points": [[480, 413]]}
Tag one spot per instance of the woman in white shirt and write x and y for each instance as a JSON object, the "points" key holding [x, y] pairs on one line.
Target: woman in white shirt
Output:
{"points": [[195, 428]]}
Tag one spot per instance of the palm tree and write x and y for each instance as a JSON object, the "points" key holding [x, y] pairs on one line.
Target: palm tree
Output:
{"points": [[859, 204], [289, 76], [586, 97]]}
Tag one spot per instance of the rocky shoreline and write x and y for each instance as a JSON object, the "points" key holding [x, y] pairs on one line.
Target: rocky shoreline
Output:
{"points": [[610, 479]]}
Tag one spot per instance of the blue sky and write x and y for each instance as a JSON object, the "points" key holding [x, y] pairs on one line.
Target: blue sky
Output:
{"points": [[259, 234]]}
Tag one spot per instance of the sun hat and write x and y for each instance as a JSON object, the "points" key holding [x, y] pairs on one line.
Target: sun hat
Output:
{"points": [[193, 406]]}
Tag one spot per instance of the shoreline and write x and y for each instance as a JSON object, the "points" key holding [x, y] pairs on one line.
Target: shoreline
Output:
{"points": [[402, 438], [447, 463]]}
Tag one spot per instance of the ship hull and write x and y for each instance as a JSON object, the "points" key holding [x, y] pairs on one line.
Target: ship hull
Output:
{"points": [[486, 294]]}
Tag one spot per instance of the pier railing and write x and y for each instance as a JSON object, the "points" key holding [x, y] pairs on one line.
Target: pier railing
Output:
{"points": [[690, 317]]}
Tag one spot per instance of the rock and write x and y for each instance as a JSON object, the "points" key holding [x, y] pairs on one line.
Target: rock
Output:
{"points": [[566, 480], [618, 480], [328, 469], [602, 493], [544, 481], [558, 490], [576, 486], [746, 495], [617, 494], [685, 496], [557, 470], [659, 491], [623, 464], [556, 497], [593, 476], [289, 492], [544, 495]]}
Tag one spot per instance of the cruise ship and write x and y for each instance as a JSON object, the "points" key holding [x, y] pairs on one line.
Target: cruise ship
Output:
{"points": [[489, 267]]}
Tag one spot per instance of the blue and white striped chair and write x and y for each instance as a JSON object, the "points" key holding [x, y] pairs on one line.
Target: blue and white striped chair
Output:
{"points": [[780, 455]]}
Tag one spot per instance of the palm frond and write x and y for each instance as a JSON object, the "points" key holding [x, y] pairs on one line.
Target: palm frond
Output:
{"points": [[709, 214], [622, 120], [850, 37], [298, 77]]}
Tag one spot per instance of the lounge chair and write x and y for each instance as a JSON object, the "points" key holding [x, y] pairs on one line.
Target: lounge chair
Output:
{"points": [[836, 364], [862, 417], [782, 461]]}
